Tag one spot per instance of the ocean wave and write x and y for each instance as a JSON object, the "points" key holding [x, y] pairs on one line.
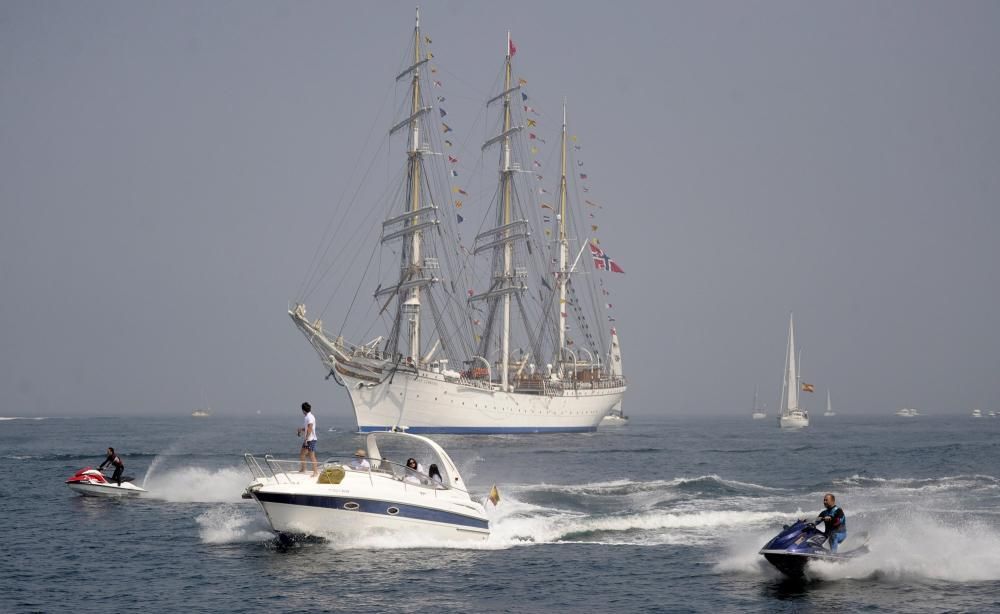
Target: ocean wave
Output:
{"points": [[631, 495], [955, 482], [2, 418], [616, 488]]}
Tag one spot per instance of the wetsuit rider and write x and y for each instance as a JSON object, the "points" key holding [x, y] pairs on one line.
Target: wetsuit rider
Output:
{"points": [[114, 459], [834, 520]]}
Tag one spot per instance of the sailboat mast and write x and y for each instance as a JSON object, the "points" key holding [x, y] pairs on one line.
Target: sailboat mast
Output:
{"points": [[506, 173], [412, 304], [562, 279]]}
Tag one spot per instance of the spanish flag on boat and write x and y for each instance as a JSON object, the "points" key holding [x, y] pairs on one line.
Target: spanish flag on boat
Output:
{"points": [[808, 387]]}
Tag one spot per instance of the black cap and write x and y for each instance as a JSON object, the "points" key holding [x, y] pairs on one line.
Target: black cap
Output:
{"points": [[306, 407]]}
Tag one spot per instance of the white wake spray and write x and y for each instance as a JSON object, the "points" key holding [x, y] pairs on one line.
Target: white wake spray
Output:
{"points": [[902, 548], [228, 524], [198, 485]]}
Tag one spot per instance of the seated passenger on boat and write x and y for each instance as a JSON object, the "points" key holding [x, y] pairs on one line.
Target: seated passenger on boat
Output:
{"points": [[360, 461]]}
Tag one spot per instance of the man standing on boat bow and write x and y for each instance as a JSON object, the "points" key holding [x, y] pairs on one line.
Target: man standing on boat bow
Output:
{"points": [[308, 433]]}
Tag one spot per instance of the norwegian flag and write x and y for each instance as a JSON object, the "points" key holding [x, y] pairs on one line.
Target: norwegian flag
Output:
{"points": [[603, 262]]}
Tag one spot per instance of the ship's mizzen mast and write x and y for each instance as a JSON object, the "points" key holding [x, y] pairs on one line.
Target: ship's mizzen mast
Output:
{"points": [[563, 277]]}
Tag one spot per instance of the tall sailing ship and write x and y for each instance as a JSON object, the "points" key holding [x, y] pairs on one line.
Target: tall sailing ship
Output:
{"points": [[496, 361]]}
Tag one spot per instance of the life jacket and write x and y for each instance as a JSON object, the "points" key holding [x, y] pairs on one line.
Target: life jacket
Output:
{"points": [[832, 513]]}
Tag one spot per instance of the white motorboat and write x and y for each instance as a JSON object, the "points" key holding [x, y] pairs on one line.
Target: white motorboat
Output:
{"points": [[792, 416], [992, 414], [351, 498], [907, 412], [977, 413], [616, 417], [93, 483]]}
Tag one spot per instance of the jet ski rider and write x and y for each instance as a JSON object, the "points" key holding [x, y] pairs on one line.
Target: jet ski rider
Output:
{"points": [[114, 459], [834, 520]]}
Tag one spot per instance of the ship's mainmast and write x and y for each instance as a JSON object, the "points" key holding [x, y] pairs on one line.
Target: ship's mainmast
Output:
{"points": [[506, 177], [411, 306]]}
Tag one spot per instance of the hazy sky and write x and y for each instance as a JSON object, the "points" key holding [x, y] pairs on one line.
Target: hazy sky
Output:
{"points": [[167, 170]]}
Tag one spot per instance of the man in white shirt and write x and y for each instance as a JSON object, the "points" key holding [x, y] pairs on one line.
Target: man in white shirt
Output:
{"points": [[360, 461], [308, 433]]}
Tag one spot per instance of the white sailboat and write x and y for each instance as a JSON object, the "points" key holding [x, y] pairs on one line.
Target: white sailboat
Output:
{"points": [[792, 416], [404, 379], [977, 413], [759, 413], [829, 408]]}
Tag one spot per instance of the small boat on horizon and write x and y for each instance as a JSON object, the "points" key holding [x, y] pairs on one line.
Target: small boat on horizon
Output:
{"points": [[759, 412], [616, 417], [977, 413], [829, 408], [201, 413], [907, 412]]}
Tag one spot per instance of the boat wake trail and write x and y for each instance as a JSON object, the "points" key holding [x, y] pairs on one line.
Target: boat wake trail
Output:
{"points": [[230, 524], [198, 485], [901, 549], [931, 550], [620, 512]]}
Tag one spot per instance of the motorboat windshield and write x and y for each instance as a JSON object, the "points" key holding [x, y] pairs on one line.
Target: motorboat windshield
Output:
{"points": [[391, 451]]}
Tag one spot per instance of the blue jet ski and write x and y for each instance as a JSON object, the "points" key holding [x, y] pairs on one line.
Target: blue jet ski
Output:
{"points": [[799, 543]]}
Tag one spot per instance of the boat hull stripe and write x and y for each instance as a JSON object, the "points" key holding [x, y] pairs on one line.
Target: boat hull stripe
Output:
{"points": [[373, 506], [483, 430]]}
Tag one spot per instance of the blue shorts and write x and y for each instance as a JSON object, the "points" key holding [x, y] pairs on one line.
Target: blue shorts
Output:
{"points": [[309, 445]]}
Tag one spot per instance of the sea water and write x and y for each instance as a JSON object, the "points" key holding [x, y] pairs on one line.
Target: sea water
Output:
{"points": [[664, 514]]}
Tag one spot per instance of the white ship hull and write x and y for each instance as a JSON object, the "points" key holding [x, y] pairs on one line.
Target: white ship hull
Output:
{"points": [[794, 420], [341, 525], [759, 415], [428, 403]]}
